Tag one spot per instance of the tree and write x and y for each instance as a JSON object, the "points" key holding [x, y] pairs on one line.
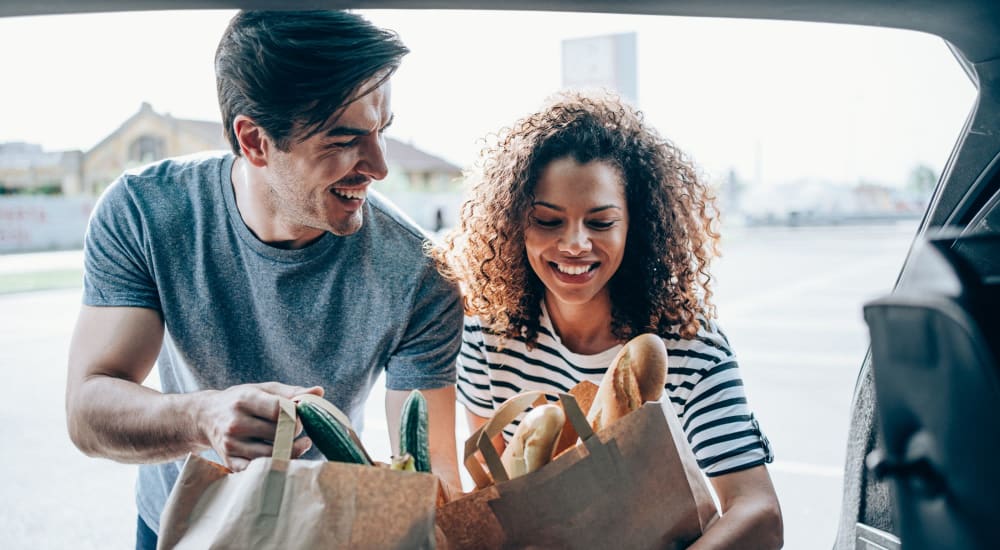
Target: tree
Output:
{"points": [[922, 179]]}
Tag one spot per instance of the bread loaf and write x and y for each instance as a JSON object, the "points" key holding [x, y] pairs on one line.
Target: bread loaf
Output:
{"points": [[534, 440], [637, 374]]}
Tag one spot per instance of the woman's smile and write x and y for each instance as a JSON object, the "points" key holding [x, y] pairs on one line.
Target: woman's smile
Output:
{"points": [[575, 273]]}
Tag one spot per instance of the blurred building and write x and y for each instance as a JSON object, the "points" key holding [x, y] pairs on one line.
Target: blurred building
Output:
{"points": [[607, 61], [26, 168], [812, 202], [424, 185], [145, 137]]}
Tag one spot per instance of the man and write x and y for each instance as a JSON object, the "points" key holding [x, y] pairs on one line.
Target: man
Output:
{"points": [[266, 273]]}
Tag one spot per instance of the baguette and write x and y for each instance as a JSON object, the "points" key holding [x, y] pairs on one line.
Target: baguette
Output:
{"points": [[636, 375], [534, 440]]}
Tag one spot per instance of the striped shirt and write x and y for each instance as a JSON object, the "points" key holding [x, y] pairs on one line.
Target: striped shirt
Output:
{"points": [[703, 385]]}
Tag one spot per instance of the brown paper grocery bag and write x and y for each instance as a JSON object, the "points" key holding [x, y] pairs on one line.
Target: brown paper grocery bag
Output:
{"points": [[281, 503], [632, 485]]}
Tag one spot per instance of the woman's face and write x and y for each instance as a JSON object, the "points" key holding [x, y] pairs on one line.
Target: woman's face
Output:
{"points": [[575, 237]]}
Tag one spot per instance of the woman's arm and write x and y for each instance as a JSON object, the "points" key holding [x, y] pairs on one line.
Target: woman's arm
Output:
{"points": [[441, 430], [751, 516]]}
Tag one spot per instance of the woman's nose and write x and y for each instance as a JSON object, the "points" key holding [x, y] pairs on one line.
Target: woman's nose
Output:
{"points": [[575, 240]]}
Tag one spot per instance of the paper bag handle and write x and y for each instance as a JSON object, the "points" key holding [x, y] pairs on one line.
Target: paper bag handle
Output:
{"points": [[482, 439], [575, 416], [284, 434]]}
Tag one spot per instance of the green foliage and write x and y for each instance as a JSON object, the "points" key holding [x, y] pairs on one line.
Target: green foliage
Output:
{"points": [[46, 189], [922, 179], [43, 280]]}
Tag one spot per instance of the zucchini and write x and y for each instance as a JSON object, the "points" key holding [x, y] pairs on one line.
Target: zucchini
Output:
{"points": [[403, 463], [413, 431], [331, 435]]}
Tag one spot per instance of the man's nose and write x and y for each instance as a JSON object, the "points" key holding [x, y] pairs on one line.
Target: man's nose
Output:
{"points": [[372, 162]]}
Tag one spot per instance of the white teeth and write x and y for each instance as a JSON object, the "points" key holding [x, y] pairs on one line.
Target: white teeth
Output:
{"points": [[351, 193], [573, 269]]}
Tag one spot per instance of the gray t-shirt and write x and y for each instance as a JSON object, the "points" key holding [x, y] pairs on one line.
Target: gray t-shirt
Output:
{"points": [[334, 314]]}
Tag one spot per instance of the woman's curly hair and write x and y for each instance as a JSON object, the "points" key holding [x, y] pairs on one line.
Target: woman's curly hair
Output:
{"points": [[663, 283]]}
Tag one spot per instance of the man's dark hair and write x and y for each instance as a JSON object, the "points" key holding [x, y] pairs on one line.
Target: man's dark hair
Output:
{"points": [[291, 71]]}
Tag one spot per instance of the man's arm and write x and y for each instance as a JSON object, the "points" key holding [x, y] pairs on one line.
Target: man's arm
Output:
{"points": [[441, 425], [110, 414]]}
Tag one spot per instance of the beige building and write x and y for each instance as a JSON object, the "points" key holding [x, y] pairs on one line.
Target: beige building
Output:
{"points": [[149, 136], [145, 137], [423, 185]]}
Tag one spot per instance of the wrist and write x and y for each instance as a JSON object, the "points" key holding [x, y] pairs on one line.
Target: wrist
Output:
{"points": [[194, 409]]}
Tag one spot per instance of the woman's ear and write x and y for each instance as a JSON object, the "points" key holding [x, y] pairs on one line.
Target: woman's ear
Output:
{"points": [[254, 143]]}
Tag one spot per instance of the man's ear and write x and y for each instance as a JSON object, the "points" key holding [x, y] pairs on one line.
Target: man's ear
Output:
{"points": [[254, 142]]}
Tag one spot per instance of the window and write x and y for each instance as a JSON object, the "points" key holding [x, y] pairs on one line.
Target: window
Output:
{"points": [[146, 149]]}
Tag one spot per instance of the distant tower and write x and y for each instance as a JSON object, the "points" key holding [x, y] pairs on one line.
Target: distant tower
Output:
{"points": [[607, 61]]}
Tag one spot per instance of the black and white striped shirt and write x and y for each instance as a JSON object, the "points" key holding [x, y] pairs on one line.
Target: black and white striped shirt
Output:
{"points": [[703, 385]]}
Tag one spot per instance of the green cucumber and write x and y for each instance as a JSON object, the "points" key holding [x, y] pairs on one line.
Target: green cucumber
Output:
{"points": [[329, 434], [413, 438]]}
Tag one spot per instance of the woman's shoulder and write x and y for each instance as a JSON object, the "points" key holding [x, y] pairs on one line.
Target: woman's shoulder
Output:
{"points": [[708, 348], [476, 331], [474, 325]]}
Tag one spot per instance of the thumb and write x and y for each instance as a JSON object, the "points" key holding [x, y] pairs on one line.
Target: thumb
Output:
{"points": [[315, 390], [288, 391]]}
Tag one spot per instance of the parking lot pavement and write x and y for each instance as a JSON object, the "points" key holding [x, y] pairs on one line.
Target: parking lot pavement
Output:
{"points": [[41, 261], [789, 301]]}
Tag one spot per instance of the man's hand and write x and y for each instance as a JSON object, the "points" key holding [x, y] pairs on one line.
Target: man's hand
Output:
{"points": [[239, 422], [110, 414]]}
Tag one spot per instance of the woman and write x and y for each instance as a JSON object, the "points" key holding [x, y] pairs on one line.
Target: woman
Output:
{"points": [[586, 229]]}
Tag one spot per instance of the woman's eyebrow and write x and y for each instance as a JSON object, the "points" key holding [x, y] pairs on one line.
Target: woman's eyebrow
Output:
{"points": [[548, 205], [591, 211]]}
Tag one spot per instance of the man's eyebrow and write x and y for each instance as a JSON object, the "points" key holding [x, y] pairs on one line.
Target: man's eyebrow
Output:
{"points": [[337, 131], [591, 211]]}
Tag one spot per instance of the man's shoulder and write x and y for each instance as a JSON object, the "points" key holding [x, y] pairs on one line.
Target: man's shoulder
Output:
{"points": [[176, 173], [393, 221], [169, 191]]}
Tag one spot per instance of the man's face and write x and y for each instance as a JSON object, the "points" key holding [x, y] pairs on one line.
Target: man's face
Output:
{"points": [[321, 183]]}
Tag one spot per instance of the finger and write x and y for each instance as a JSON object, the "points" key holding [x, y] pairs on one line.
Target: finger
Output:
{"points": [[251, 428], [255, 400], [316, 390], [300, 446], [247, 450], [287, 391], [261, 400], [237, 464]]}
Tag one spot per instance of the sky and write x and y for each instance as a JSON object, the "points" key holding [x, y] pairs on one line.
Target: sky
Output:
{"points": [[775, 102]]}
